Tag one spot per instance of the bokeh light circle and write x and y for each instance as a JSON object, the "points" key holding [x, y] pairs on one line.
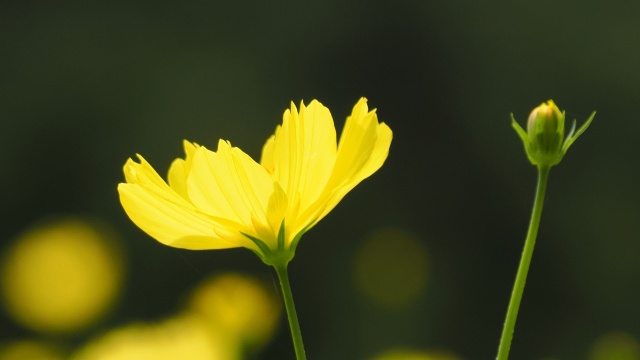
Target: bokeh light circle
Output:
{"points": [[30, 350], [181, 337], [391, 267], [616, 345], [61, 275], [240, 305], [407, 354]]}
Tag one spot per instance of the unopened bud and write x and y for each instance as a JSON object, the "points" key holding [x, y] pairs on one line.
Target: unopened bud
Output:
{"points": [[544, 140], [546, 132]]}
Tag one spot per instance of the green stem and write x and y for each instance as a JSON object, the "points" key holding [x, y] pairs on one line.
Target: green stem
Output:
{"points": [[523, 268], [296, 335]]}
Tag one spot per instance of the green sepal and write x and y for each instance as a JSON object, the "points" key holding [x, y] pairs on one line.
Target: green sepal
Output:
{"points": [[296, 239], [523, 134], [524, 137], [279, 256], [261, 245], [281, 236], [571, 137]]}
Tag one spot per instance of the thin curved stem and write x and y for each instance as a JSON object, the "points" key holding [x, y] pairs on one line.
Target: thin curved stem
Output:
{"points": [[523, 268], [296, 335]]}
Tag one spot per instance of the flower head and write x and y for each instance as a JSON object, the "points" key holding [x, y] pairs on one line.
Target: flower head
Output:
{"points": [[544, 140], [224, 199]]}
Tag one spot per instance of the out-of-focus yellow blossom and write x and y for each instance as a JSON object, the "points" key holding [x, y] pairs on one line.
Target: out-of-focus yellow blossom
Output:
{"points": [[391, 267], [240, 306], [405, 354], [61, 275], [224, 199], [30, 350], [616, 345], [184, 338]]}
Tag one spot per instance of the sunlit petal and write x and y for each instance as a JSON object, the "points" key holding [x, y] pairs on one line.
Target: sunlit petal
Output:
{"points": [[266, 160], [378, 155], [163, 214], [304, 151], [277, 207], [363, 148], [357, 143], [180, 168], [228, 184]]}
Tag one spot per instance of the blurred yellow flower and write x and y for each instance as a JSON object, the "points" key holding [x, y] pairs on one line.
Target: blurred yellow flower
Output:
{"points": [[391, 268], [405, 354], [61, 275], [224, 199], [240, 306], [616, 345], [31, 350], [183, 337]]}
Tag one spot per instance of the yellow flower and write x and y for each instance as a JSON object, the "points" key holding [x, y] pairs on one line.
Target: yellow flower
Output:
{"points": [[224, 199]]}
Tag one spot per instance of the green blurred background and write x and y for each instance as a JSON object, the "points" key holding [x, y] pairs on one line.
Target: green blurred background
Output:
{"points": [[85, 85]]}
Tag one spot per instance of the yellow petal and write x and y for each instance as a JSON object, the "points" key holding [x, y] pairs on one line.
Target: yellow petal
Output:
{"points": [[277, 207], [357, 141], [180, 168], [266, 159], [163, 214], [304, 152], [229, 184], [377, 157], [363, 148]]}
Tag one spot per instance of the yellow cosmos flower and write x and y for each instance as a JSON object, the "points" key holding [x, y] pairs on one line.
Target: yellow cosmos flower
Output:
{"points": [[224, 199]]}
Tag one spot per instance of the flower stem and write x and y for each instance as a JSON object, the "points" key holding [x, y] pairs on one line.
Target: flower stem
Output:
{"points": [[296, 335], [523, 268]]}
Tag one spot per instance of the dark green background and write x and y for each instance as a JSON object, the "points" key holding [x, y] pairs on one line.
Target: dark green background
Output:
{"points": [[85, 85]]}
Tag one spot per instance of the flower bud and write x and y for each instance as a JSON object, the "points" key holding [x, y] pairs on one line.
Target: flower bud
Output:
{"points": [[546, 132], [544, 140]]}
